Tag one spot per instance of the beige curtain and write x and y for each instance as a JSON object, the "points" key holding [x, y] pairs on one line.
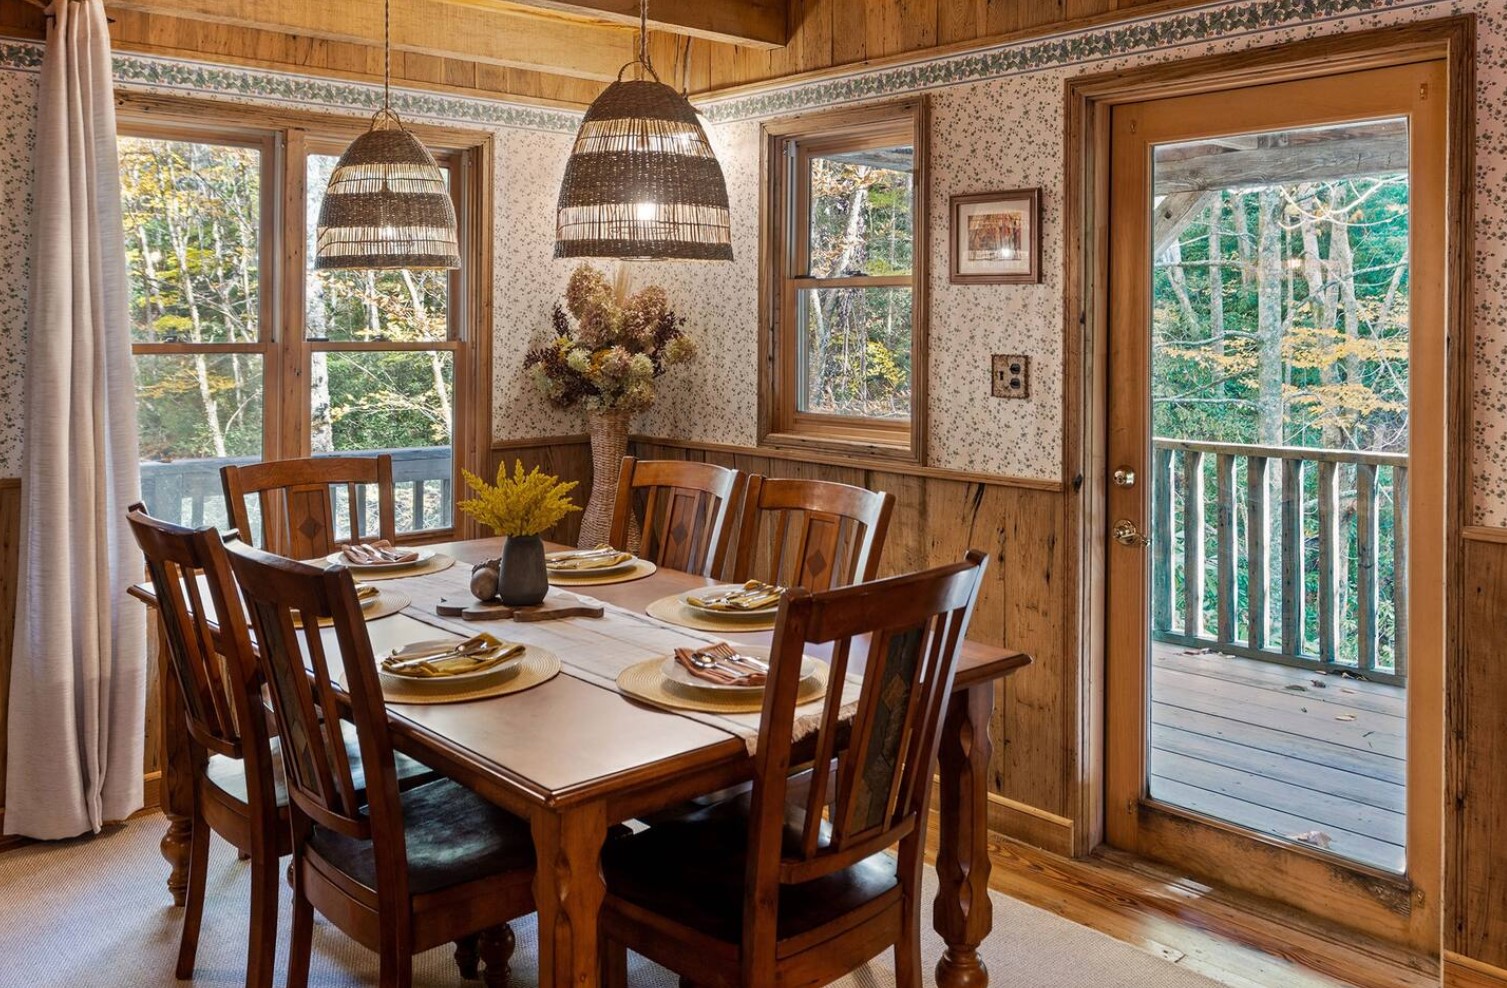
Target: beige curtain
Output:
{"points": [[78, 678]]}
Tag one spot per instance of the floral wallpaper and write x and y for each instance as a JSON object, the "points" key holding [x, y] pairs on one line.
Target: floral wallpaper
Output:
{"points": [[996, 125], [18, 95]]}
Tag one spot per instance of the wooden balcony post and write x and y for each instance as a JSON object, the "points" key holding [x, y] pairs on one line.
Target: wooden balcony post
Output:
{"points": [[1329, 549], [1224, 521], [1161, 539], [1292, 557], [1366, 535], [1193, 543], [1258, 520]]}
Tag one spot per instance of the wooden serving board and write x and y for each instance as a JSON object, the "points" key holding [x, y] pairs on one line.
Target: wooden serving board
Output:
{"points": [[547, 611]]}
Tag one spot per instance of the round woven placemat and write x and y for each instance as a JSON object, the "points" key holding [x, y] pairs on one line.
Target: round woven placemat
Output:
{"points": [[388, 602], [673, 610], [640, 569], [437, 563], [538, 665], [644, 681]]}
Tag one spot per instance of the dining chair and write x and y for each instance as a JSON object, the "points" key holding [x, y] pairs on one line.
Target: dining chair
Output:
{"points": [[791, 883], [815, 534], [684, 509], [400, 872], [298, 508], [239, 790]]}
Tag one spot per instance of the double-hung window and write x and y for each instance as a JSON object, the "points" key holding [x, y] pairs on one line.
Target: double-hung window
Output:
{"points": [[845, 282], [244, 351]]}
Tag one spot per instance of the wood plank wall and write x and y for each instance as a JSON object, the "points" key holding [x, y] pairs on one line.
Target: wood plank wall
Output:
{"points": [[936, 520], [1475, 902]]}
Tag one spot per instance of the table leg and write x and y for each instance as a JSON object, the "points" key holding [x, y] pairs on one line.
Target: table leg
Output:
{"points": [[962, 913], [568, 892], [177, 788]]}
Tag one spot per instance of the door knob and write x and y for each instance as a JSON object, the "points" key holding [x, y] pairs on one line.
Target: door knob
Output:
{"points": [[1126, 533], [1123, 477]]}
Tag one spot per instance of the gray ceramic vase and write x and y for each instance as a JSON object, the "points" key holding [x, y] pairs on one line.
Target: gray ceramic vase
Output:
{"points": [[522, 580]]}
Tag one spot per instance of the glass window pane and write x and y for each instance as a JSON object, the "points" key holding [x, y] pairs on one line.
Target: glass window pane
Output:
{"points": [[855, 351], [861, 212], [192, 216], [399, 306], [196, 413], [393, 401]]}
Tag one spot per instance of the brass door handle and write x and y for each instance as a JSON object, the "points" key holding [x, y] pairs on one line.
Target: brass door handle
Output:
{"points": [[1126, 533]]}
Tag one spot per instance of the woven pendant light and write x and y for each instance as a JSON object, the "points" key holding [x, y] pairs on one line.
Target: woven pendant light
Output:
{"points": [[642, 182], [387, 204]]}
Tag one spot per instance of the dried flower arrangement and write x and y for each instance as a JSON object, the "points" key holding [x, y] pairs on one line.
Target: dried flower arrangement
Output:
{"points": [[608, 360], [524, 504]]}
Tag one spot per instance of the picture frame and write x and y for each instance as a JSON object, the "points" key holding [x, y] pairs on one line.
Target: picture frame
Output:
{"points": [[996, 238]]}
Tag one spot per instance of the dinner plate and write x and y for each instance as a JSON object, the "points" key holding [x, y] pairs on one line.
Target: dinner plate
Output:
{"points": [[424, 555], [677, 673], [463, 677], [762, 614], [593, 571]]}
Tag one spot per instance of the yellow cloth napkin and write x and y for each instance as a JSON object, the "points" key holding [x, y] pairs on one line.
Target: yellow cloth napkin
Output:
{"points": [[754, 595], [578, 561], [476, 654]]}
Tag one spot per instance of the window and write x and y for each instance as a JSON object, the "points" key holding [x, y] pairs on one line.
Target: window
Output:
{"points": [[845, 290], [244, 351]]}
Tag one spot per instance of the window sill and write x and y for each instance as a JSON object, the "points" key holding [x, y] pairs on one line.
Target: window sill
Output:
{"points": [[840, 446]]}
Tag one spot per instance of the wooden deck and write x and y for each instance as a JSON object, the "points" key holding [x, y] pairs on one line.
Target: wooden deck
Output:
{"points": [[1281, 750]]}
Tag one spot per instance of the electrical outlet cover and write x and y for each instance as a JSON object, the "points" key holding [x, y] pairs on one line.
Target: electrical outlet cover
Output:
{"points": [[1010, 375]]}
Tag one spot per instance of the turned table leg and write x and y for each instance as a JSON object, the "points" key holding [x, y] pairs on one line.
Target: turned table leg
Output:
{"points": [[568, 892], [962, 913], [177, 776]]}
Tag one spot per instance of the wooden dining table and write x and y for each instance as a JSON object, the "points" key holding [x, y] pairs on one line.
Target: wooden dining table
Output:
{"points": [[574, 758]]}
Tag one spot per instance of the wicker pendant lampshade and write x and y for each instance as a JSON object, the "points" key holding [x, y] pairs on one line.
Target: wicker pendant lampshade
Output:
{"points": [[642, 181], [387, 204]]}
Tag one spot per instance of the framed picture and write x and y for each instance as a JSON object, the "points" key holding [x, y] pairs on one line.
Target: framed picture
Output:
{"points": [[996, 238]]}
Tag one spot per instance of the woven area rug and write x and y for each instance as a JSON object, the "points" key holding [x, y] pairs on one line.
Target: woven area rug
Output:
{"points": [[94, 913]]}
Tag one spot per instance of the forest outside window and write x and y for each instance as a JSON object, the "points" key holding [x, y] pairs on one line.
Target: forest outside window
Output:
{"points": [[845, 295], [241, 358]]}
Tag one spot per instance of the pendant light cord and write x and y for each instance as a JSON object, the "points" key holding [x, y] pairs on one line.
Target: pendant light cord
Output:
{"points": [[387, 54], [643, 32]]}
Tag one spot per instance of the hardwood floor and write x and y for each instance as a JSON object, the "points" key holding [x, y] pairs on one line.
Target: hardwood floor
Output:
{"points": [[1283, 751]]}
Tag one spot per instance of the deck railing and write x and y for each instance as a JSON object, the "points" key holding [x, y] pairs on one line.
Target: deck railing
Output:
{"points": [[1337, 536], [189, 491]]}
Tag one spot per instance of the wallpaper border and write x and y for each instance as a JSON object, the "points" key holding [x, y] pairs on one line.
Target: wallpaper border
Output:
{"points": [[235, 82], [1147, 34]]}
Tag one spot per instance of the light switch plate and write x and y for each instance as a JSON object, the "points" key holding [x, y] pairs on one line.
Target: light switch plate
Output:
{"points": [[1010, 375]]}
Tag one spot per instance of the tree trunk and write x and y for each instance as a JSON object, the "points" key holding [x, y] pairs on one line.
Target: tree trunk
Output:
{"points": [[1269, 292], [179, 240]]}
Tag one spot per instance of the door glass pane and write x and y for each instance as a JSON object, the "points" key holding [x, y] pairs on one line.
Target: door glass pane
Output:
{"points": [[861, 212], [855, 351], [196, 413], [1279, 484], [192, 215], [398, 402], [396, 306]]}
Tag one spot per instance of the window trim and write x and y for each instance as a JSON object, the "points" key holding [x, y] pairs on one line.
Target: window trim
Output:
{"points": [[784, 245], [286, 138]]}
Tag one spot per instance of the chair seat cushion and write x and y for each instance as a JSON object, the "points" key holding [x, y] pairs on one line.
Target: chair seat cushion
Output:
{"points": [[691, 870], [453, 836], [229, 774]]}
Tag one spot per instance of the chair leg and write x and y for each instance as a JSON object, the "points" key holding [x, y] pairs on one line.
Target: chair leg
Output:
{"points": [[466, 957], [497, 945], [908, 959], [301, 945], [261, 947], [193, 905], [613, 962]]}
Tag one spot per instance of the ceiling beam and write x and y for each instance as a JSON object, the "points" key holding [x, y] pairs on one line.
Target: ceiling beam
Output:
{"points": [[1320, 161], [750, 23], [427, 27]]}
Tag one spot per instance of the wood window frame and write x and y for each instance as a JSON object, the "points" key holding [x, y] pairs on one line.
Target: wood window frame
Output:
{"points": [[286, 138], [784, 245]]}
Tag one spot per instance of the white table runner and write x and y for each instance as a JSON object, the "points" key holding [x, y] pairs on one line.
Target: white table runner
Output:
{"points": [[596, 649]]}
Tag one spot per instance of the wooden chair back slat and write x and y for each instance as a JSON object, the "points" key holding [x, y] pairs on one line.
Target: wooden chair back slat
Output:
{"points": [[298, 504], [913, 626], [288, 602], [685, 509], [813, 534], [217, 681]]}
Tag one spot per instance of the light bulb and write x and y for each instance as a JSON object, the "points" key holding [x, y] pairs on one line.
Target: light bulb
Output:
{"points": [[646, 211]]}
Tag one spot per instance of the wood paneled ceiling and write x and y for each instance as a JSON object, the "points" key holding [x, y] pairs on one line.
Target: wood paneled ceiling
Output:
{"points": [[565, 51]]}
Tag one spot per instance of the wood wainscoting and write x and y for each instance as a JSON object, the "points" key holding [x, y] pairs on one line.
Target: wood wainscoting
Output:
{"points": [[938, 515]]}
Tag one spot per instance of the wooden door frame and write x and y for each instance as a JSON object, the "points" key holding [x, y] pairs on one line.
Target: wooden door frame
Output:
{"points": [[1089, 101]]}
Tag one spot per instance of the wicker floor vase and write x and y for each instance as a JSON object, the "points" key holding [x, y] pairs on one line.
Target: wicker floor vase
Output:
{"points": [[609, 444]]}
